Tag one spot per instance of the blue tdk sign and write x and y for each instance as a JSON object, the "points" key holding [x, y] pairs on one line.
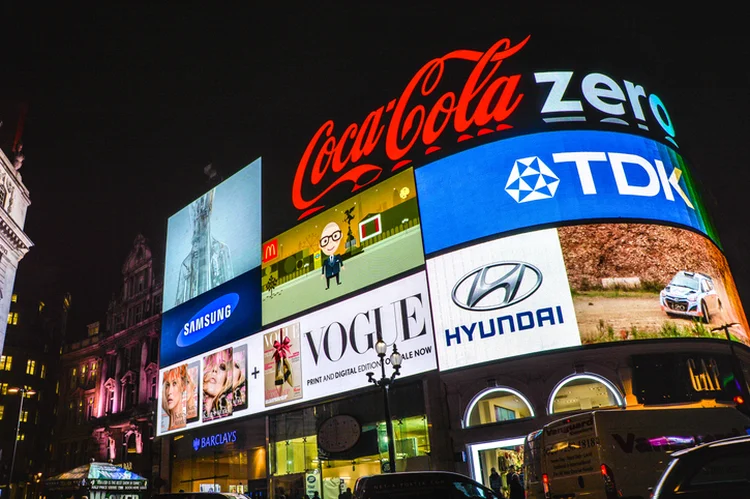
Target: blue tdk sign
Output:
{"points": [[219, 316], [551, 178]]}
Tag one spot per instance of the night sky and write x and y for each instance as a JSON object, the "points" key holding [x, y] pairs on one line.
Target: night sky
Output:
{"points": [[128, 104]]}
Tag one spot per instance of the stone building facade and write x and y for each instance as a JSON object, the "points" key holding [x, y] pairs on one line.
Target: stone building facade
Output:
{"points": [[109, 380]]}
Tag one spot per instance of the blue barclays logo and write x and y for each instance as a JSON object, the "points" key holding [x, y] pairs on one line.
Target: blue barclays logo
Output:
{"points": [[226, 437], [208, 319]]}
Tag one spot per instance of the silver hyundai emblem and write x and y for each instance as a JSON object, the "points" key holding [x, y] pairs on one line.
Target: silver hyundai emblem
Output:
{"points": [[497, 285]]}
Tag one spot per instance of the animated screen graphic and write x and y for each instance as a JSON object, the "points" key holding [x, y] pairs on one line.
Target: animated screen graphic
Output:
{"points": [[370, 237], [551, 178], [214, 239]]}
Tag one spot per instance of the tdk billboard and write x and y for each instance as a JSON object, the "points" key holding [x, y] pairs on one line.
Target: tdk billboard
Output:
{"points": [[552, 178], [212, 270]]}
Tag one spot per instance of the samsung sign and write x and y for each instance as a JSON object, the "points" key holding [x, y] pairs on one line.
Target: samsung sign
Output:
{"points": [[555, 177], [217, 317], [500, 299]]}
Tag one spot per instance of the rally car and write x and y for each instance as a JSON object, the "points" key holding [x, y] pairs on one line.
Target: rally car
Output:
{"points": [[690, 294]]}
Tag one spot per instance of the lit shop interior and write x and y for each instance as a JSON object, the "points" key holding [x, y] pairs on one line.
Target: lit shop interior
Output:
{"points": [[498, 405], [234, 463], [299, 465]]}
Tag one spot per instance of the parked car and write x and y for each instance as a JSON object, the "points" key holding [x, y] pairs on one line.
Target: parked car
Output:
{"points": [[420, 485], [691, 294], [719, 469]]}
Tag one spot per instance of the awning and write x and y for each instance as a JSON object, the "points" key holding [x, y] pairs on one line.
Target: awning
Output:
{"points": [[97, 476]]}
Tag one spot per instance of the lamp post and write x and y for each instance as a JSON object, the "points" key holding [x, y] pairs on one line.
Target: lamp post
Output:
{"points": [[384, 383], [23, 392]]}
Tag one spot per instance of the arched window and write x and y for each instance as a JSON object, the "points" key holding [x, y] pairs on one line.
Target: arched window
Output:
{"points": [[3, 195], [581, 392], [496, 405]]}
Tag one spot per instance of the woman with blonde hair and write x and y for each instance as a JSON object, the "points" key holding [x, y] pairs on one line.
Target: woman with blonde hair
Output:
{"points": [[174, 396], [217, 385]]}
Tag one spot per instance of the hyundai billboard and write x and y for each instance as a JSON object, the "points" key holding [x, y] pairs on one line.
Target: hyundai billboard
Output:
{"points": [[325, 353], [581, 284], [368, 238], [212, 269]]}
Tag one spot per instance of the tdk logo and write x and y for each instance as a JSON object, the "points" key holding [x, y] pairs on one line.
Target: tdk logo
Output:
{"points": [[531, 180], [498, 286], [208, 319]]}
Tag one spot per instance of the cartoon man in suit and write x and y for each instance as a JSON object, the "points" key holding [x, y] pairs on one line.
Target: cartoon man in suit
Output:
{"points": [[330, 239]]}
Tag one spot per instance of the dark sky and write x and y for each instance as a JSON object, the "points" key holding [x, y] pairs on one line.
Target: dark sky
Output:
{"points": [[127, 105]]}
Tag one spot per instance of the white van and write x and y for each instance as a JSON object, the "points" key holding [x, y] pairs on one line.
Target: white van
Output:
{"points": [[612, 454]]}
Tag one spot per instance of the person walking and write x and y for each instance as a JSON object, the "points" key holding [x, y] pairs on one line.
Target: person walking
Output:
{"points": [[496, 481], [515, 484]]}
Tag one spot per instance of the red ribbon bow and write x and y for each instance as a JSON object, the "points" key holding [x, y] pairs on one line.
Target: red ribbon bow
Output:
{"points": [[282, 348]]}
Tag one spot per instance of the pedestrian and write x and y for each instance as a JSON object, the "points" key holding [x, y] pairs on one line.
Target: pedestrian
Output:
{"points": [[515, 484], [496, 481]]}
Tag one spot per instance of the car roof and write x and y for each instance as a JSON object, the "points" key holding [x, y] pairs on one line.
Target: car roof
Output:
{"points": [[741, 440], [693, 274]]}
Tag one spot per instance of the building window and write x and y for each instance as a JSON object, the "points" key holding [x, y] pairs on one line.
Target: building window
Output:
{"points": [[3, 388], [30, 367], [83, 374], [2, 411], [73, 374], [14, 298], [138, 313], [153, 351], [24, 416], [57, 388], [90, 409], [6, 362], [26, 393], [93, 372], [41, 306], [110, 401], [153, 388], [497, 405], [36, 418], [80, 411], [13, 318], [21, 436], [43, 371], [583, 392]]}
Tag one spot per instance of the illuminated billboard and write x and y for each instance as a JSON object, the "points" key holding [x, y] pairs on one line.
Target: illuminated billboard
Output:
{"points": [[366, 239], [576, 285], [555, 177], [318, 355], [212, 269], [213, 239]]}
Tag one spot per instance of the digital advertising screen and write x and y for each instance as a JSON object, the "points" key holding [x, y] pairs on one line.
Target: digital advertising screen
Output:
{"points": [[370, 237], [555, 177], [215, 238], [318, 355], [225, 313], [579, 284]]}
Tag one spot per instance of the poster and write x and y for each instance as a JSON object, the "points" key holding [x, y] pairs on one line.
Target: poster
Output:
{"points": [[282, 372]]}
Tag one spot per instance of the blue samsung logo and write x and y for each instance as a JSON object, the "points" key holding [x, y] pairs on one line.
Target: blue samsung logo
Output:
{"points": [[208, 319]]}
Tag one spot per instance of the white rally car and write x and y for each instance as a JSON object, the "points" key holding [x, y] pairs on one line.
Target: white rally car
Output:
{"points": [[690, 294]]}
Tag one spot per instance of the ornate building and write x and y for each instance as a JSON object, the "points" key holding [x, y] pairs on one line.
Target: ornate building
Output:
{"points": [[14, 200], [109, 381]]}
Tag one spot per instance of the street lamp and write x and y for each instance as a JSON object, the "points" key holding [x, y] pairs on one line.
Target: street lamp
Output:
{"points": [[23, 392], [385, 382]]}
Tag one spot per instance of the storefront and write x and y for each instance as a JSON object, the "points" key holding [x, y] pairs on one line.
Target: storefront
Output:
{"points": [[228, 457], [324, 448]]}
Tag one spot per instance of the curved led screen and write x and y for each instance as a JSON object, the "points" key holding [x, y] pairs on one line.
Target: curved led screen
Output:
{"points": [[555, 177], [574, 285]]}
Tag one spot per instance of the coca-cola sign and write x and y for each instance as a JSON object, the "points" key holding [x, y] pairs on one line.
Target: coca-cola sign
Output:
{"points": [[410, 124]]}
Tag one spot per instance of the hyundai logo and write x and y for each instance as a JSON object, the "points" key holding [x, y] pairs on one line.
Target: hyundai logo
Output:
{"points": [[496, 286]]}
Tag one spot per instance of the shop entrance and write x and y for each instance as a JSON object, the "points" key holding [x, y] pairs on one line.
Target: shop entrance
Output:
{"points": [[503, 455]]}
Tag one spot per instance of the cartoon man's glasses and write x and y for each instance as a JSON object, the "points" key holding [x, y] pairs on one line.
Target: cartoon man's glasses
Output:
{"points": [[326, 239]]}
